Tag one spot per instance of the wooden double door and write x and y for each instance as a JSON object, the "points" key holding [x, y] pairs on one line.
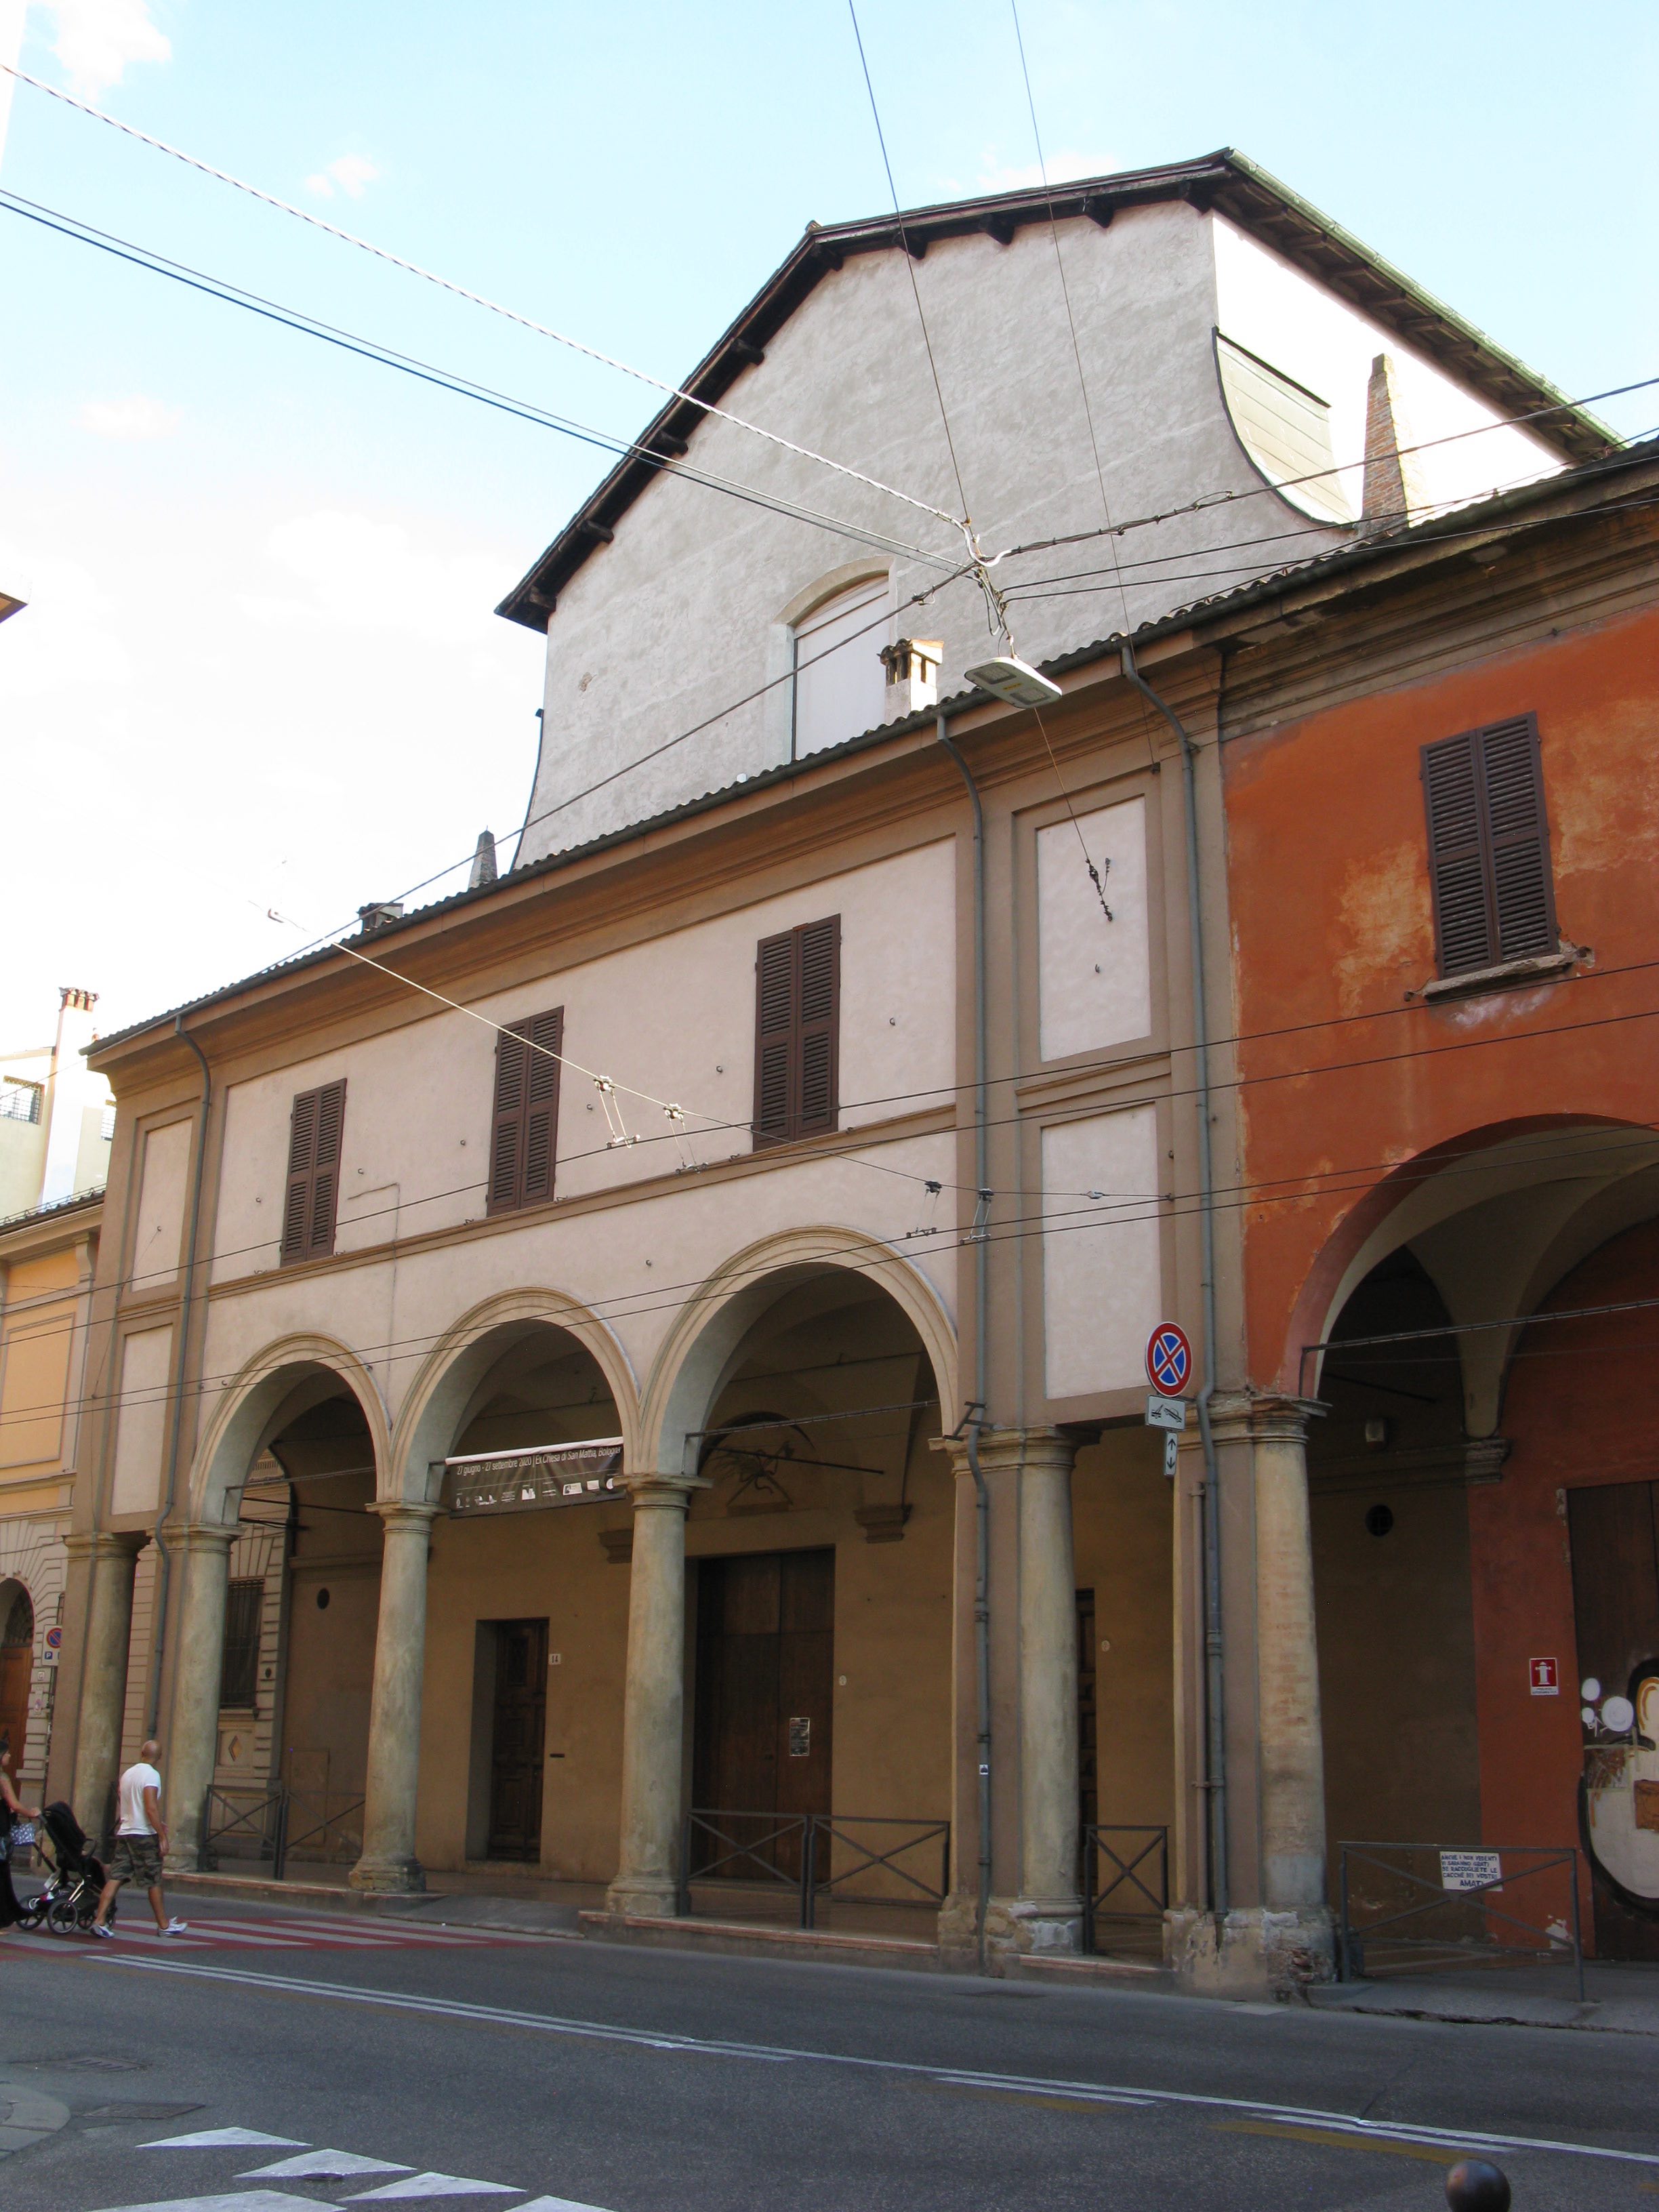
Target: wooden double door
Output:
{"points": [[518, 1739], [765, 1682]]}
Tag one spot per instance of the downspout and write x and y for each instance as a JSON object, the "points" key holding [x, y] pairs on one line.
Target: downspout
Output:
{"points": [[1215, 1778], [164, 1568], [975, 1413]]}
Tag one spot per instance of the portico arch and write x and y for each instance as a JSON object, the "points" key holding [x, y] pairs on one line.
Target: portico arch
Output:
{"points": [[692, 1366], [275, 1388], [447, 1392]]}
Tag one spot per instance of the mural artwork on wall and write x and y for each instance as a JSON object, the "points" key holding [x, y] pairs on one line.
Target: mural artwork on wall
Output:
{"points": [[1614, 1531]]}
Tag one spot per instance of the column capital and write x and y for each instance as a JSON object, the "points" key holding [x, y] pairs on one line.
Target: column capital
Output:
{"points": [[204, 1536], [1484, 1458], [105, 1543], [1261, 1416], [666, 1492], [1014, 1451], [406, 1512]]}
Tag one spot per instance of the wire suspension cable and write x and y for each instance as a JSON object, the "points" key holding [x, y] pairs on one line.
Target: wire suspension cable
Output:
{"points": [[477, 299]]}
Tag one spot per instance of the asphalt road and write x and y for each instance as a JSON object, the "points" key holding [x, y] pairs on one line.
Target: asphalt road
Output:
{"points": [[501, 2070]]}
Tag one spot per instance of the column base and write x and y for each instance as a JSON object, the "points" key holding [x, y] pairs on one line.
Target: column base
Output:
{"points": [[659, 1901], [396, 1877], [1015, 1927], [1256, 1952]]}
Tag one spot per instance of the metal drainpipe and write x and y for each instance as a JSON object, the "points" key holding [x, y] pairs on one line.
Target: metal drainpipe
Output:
{"points": [[1215, 1731], [164, 1576], [975, 1415]]}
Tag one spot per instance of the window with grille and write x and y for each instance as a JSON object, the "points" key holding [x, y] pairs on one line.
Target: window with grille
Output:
{"points": [[1489, 848], [525, 1130], [313, 1172], [20, 1100], [239, 1678], [796, 1032]]}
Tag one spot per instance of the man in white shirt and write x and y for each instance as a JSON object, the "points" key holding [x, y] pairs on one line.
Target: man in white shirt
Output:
{"points": [[141, 1837]]}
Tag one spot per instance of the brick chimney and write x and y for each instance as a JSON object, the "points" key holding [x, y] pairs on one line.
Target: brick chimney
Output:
{"points": [[1393, 488]]}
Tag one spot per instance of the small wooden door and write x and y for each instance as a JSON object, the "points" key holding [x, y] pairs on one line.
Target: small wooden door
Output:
{"points": [[764, 1695], [516, 1746]]}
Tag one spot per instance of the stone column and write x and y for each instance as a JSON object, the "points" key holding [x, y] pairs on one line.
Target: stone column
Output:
{"points": [[99, 1606], [190, 1745], [1050, 1910], [1287, 1664], [654, 1710], [388, 1865]]}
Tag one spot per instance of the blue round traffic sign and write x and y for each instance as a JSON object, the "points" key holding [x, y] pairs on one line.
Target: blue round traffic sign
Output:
{"points": [[1168, 1358]]}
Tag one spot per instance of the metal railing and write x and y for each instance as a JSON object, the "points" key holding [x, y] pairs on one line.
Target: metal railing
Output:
{"points": [[1135, 1861], [279, 1825], [1420, 1908], [799, 1852]]}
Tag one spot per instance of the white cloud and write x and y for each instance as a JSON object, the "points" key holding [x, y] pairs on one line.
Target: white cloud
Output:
{"points": [[351, 172], [96, 39], [132, 419], [1024, 177]]}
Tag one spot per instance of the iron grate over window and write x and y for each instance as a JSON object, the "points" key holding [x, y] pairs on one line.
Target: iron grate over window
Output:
{"points": [[19, 1101], [239, 1678]]}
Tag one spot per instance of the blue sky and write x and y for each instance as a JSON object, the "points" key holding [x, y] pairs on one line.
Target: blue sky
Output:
{"points": [[260, 664]]}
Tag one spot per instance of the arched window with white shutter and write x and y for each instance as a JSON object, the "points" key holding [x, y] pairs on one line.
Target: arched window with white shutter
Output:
{"points": [[839, 685]]}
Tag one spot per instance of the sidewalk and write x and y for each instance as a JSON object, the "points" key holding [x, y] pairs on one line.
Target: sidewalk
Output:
{"points": [[1620, 1998]]}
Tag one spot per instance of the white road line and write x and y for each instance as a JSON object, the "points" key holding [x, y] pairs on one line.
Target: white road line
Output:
{"points": [[602, 2032]]}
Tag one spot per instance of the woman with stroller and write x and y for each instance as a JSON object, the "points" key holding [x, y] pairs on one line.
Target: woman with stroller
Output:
{"points": [[12, 1807]]}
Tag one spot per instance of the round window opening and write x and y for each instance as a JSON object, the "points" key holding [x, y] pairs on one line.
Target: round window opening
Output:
{"points": [[322, 1594], [1379, 1520]]}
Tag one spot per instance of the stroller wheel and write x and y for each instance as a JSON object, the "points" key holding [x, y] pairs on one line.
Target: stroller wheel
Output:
{"points": [[62, 1916], [33, 1911]]}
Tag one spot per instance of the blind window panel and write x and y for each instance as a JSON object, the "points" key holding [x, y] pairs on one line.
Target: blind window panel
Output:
{"points": [[239, 1678], [1489, 846], [316, 1129], [796, 1032], [525, 1127], [840, 686]]}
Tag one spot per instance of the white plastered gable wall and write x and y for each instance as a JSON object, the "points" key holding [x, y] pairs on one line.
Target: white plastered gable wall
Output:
{"points": [[687, 609], [1309, 333]]}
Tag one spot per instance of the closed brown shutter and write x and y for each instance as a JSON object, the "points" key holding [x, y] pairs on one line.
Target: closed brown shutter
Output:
{"points": [[1488, 847], [315, 1131], [523, 1133], [818, 955], [775, 1038], [797, 1031]]}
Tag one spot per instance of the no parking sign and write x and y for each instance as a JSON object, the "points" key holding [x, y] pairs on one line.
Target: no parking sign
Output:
{"points": [[1168, 1358]]}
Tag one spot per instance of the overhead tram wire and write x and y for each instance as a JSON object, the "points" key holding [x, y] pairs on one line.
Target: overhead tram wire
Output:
{"points": [[910, 266], [902, 1249], [1209, 501], [1268, 1189], [294, 318], [478, 299]]}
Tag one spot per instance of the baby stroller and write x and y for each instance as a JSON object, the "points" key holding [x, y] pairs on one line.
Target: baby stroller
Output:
{"points": [[75, 1875]]}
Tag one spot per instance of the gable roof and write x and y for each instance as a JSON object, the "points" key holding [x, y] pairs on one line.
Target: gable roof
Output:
{"points": [[1226, 181]]}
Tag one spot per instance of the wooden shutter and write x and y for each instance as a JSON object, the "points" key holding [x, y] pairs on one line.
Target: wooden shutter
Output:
{"points": [[776, 1029], [1488, 847], [797, 1031], [315, 1131], [817, 952], [524, 1131]]}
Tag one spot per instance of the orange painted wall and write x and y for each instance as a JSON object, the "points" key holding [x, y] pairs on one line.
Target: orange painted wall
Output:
{"points": [[1332, 925], [1567, 1427]]}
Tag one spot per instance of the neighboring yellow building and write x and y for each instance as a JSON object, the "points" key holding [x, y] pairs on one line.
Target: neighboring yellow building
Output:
{"points": [[47, 1262], [57, 1117], [57, 1120]]}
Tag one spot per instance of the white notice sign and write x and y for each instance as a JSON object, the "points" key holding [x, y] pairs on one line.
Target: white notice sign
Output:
{"points": [[1470, 1869], [1165, 1413]]}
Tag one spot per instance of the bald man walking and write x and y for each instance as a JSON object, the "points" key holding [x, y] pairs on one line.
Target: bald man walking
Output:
{"points": [[141, 1837]]}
